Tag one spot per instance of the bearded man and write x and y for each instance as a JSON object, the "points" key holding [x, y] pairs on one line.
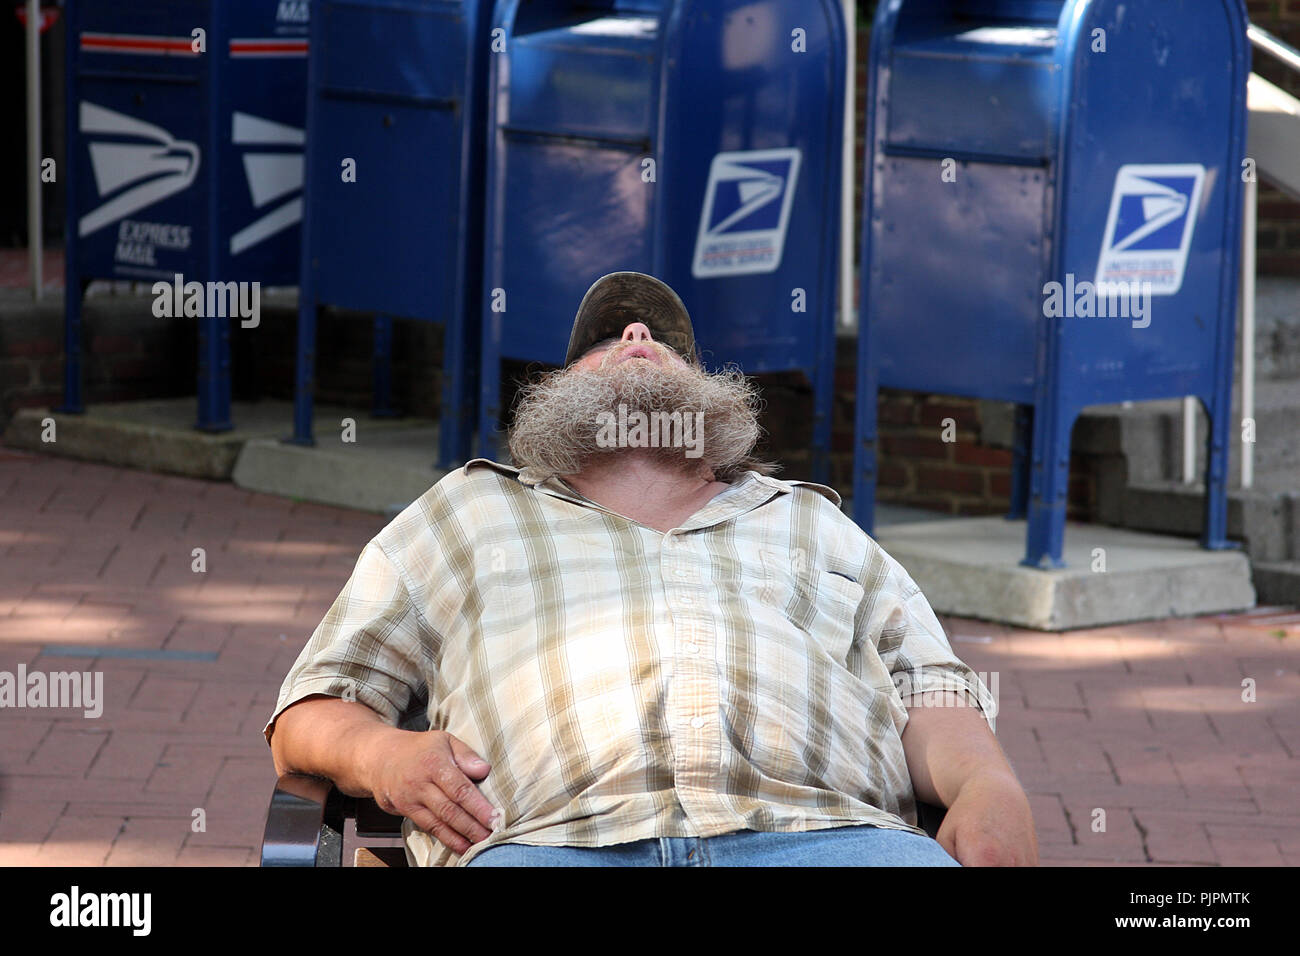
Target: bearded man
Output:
{"points": [[636, 652]]}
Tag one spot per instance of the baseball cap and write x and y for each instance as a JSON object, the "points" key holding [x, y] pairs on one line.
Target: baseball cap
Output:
{"points": [[616, 299]]}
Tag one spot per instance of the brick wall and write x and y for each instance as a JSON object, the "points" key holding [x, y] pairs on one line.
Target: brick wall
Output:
{"points": [[131, 356], [344, 361], [129, 353], [968, 474]]}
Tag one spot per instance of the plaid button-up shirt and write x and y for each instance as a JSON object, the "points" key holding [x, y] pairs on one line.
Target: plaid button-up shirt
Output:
{"points": [[741, 671]]}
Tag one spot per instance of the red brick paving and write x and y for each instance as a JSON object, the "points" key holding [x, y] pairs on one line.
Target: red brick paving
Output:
{"points": [[1146, 722], [102, 556], [1133, 742]]}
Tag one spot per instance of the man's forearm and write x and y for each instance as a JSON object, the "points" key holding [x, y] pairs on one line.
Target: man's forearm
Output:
{"points": [[330, 737], [947, 742], [955, 761]]}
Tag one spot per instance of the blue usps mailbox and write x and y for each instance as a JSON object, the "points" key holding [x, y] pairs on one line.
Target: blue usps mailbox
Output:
{"points": [[185, 136], [697, 142], [1052, 214], [394, 187]]}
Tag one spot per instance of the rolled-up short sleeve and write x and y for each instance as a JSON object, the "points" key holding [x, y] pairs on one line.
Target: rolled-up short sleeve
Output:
{"points": [[912, 646], [372, 645]]}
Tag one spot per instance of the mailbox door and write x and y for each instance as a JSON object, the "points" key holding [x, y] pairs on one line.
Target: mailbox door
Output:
{"points": [[957, 233], [552, 248], [393, 161], [570, 194], [953, 289], [138, 145]]}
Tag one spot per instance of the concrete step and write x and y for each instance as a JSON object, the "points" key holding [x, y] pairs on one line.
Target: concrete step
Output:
{"points": [[151, 436], [1277, 582], [383, 470], [1266, 523], [1138, 451], [160, 436], [1150, 436], [971, 567]]}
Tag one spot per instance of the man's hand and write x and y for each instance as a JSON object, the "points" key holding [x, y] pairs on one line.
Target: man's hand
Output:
{"points": [[429, 777], [425, 775], [989, 824]]}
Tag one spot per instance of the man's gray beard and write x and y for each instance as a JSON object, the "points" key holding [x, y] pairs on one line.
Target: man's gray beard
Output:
{"points": [[557, 419]]}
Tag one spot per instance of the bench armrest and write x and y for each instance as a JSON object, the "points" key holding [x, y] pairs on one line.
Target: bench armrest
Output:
{"points": [[304, 826], [929, 817]]}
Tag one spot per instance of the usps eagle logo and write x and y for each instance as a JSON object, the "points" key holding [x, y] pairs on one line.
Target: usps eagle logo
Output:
{"points": [[1153, 210], [135, 164], [746, 212]]}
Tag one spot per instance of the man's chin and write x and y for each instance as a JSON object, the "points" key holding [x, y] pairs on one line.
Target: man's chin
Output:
{"points": [[669, 457]]}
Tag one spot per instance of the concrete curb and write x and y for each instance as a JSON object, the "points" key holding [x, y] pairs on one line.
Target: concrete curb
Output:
{"points": [[970, 567]]}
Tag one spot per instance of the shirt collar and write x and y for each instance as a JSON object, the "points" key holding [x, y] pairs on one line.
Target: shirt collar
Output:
{"points": [[745, 493]]}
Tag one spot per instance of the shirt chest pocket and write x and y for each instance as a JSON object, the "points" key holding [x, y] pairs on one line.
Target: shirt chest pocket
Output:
{"points": [[820, 603], [835, 602]]}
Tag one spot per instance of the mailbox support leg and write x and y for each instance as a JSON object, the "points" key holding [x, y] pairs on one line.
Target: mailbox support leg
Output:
{"points": [[489, 406], [1022, 441], [823, 395], [864, 440], [457, 418], [382, 367], [1218, 403], [1215, 537], [214, 374], [74, 290], [304, 378], [459, 386], [1049, 483]]}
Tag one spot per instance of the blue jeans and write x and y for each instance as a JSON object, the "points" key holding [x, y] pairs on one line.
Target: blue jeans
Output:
{"points": [[862, 845]]}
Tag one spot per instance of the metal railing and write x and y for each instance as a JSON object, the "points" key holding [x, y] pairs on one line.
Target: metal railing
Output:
{"points": [[1261, 39]]}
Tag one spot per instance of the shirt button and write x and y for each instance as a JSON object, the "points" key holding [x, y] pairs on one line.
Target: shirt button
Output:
{"points": [[692, 648], [697, 722], [684, 599], [681, 572]]}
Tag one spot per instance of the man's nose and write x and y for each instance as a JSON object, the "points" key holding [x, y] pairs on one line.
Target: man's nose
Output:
{"points": [[637, 332]]}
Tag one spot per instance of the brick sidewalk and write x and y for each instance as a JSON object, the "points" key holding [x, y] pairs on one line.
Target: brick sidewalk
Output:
{"points": [[93, 555], [1144, 722]]}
